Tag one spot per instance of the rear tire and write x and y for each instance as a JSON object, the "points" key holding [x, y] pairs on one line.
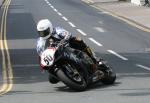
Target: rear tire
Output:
{"points": [[109, 78]]}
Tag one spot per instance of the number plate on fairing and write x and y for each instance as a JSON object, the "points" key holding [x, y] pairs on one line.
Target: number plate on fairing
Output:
{"points": [[47, 57]]}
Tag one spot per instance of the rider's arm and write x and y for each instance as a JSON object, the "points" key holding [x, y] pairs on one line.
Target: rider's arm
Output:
{"points": [[64, 34], [40, 46]]}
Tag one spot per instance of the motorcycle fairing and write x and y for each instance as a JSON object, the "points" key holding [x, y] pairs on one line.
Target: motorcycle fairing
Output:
{"points": [[47, 57]]}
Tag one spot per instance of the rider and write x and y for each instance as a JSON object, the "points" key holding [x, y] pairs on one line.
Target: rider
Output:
{"points": [[46, 32]]}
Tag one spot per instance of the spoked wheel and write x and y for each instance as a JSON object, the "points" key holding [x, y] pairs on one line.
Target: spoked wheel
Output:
{"points": [[72, 77]]}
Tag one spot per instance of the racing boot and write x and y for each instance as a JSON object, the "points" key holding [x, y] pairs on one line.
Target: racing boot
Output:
{"points": [[96, 67], [91, 54]]}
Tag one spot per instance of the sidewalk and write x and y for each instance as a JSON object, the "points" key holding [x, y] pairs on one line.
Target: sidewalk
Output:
{"points": [[138, 16]]}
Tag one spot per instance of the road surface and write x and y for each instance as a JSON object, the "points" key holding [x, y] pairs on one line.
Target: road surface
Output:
{"points": [[126, 48]]}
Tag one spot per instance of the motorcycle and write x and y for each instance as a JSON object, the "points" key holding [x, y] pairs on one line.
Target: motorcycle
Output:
{"points": [[73, 67]]}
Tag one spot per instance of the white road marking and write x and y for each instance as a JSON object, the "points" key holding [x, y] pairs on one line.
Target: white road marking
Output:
{"points": [[55, 10], [52, 7], [116, 54], [25, 65], [80, 31], [59, 14], [99, 29], [143, 67], [65, 18], [94, 41], [71, 24], [47, 2]]}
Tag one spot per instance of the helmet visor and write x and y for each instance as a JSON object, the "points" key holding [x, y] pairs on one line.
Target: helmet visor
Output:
{"points": [[44, 33]]}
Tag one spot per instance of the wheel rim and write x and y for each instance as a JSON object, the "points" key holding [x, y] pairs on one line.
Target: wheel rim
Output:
{"points": [[73, 74]]}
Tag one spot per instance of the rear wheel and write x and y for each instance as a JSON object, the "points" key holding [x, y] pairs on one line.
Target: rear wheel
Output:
{"points": [[72, 77], [109, 76]]}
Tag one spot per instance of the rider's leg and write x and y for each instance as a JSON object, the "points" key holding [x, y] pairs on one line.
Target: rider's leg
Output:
{"points": [[78, 43]]}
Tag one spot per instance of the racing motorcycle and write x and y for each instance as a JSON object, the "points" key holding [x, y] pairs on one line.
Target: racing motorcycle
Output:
{"points": [[74, 67]]}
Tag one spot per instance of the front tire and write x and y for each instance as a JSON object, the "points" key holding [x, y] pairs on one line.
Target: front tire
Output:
{"points": [[52, 79], [76, 85]]}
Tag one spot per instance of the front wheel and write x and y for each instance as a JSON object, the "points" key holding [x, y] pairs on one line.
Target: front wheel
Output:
{"points": [[72, 78], [52, 79]]}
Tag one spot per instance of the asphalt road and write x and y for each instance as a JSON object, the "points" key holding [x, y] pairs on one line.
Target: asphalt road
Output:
{"points": [[126, 48]]}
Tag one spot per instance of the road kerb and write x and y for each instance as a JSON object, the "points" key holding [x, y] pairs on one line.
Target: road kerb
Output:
{"points": [[88, 1]]}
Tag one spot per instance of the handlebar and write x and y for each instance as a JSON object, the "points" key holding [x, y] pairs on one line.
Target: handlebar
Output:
{"points": [[58, 43]]}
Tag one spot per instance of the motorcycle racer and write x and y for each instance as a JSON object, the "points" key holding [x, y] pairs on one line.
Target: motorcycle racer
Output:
{"points": [[47, 32]]}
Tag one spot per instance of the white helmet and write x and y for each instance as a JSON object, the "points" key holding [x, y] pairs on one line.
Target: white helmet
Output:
{"points": [[45, 28]]}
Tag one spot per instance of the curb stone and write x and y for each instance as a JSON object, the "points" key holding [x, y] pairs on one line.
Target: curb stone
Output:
{"points": [[88, 1]]}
